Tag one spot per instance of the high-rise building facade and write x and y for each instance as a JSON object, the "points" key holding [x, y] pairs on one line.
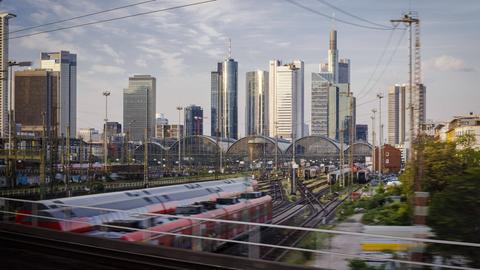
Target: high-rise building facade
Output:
{"points": [[286, 99], [193, 120], [396, 114], [319, 108], [89, 135], [170, 131], [65, 63], [35, 100], [341, 112], [4, 18], [344, 71], [361, 133], [139, 107], [333, 104], [333, 56], [256, 106], [224, 98], [160, 122], [112, 129]]}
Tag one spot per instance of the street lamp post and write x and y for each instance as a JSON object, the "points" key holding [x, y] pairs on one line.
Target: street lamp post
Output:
{"points": [[105, 143], [129, 151], [179, 108], [380, 136], [374, 164]]}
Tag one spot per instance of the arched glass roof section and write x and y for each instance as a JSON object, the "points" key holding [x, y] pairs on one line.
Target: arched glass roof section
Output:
{"points": [[156, 152], [199, 150], [224, 143], [315, 148], [257, 147], [360, 150]]}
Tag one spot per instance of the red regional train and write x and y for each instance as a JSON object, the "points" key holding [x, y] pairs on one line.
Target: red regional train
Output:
{"points": [[250, 207], [61, 214]]}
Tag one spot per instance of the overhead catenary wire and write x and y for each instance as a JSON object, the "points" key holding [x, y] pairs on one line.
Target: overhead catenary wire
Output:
{"points": [[377, 64], [351, 14], [387, 65], [114, 19], [337, 19], [80, 16]]}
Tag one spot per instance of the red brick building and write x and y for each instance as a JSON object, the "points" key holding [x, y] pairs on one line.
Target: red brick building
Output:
{"points": [[391, 157]]}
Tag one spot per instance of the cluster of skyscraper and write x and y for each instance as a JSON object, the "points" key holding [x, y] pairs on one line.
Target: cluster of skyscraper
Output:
{"points": [[275, 99], [45, 101], [48, 95], [54, 100], [333, 104], [139, 113]]}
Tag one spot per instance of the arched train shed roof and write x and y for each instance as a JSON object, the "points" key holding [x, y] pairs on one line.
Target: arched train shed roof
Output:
{"points": [[240, 146], [315, 146], [360, 148], [224, 143]]}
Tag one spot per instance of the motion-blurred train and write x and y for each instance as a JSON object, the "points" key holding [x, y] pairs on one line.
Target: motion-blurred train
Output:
{"points": [[361, 175], [82, 213], [311, 172], [250, 207]]}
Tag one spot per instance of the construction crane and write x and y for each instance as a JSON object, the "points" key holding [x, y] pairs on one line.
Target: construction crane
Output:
{"points": [[411, 20]]}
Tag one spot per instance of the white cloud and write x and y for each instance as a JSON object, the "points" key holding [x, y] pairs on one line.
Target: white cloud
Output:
{"points": [[449, 63], [110, 52], [172, 62], [107, 69], [141, 62]]}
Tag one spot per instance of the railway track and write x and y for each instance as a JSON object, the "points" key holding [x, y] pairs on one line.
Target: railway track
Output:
{"points": [[292, 238], [308, 212]]}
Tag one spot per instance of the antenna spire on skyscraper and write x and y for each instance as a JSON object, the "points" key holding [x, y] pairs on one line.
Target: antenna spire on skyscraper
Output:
{"points": [[333, 21], [229, 48]]}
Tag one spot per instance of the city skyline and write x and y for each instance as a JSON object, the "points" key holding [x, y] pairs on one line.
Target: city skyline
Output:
{"points": [[452, 59]]}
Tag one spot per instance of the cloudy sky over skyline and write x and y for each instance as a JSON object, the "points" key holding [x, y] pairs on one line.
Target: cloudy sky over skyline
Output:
{"points": [[181, 47]]}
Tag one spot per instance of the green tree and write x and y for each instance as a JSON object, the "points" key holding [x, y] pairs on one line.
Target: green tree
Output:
{"points": [[454, 213], [441, 162]]}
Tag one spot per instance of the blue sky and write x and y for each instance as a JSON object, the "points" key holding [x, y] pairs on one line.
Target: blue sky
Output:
{"points": [[181, 47]]}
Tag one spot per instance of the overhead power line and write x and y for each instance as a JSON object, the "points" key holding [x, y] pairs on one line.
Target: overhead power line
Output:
{"points": [[81, 16], [352, 15], [387, 65], [377, 64], [114, 19], [337, 19]]}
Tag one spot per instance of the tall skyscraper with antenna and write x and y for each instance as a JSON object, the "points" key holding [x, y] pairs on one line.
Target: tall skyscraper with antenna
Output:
{"points": [[224, 98], [332, 106]]}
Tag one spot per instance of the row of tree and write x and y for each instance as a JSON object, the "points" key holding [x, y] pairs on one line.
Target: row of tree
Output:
{"points": [[450, 171]]}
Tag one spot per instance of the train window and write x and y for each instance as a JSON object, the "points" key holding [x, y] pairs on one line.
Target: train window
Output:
{"points": [[146, 192], [148, 199], [166, 197]]}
